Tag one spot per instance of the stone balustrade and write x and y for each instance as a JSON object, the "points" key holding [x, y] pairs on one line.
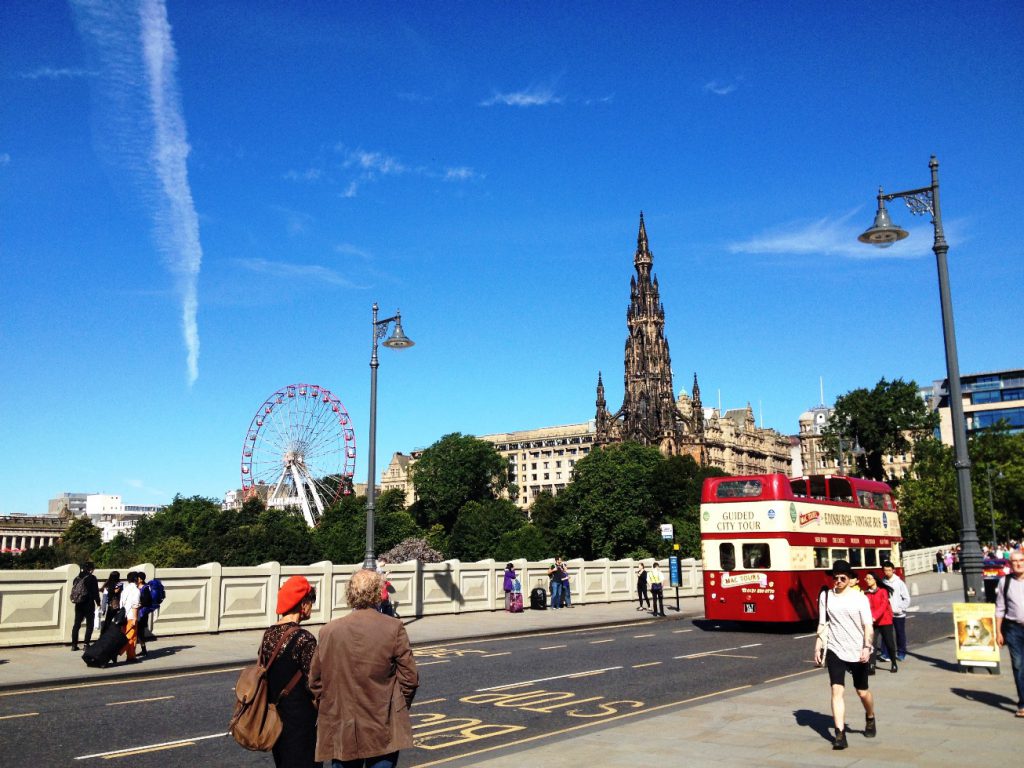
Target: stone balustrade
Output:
{"points": [[35, 608]]}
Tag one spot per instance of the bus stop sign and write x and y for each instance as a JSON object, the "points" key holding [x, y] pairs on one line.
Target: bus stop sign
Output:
{"points": [[667, 533], [673, 571]]}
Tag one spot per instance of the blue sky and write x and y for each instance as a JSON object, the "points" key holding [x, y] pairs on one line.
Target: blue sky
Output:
{"points": [[199, 208]]}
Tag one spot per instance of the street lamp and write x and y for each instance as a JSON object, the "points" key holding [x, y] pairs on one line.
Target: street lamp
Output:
{"points": [[397, 340], [991, 507], [884, 233]]}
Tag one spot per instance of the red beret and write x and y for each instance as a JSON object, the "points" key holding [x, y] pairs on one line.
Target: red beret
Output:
{"points": [[291, 593]]}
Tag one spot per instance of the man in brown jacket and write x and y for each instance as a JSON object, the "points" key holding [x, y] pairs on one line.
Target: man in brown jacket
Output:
{"points": [[363, 677]]}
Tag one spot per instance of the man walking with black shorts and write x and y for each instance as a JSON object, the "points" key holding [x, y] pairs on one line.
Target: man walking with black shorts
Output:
{"points": [[844, 645]]}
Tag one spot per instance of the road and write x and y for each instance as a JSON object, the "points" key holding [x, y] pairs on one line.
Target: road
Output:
{"points": [[476, 697]]}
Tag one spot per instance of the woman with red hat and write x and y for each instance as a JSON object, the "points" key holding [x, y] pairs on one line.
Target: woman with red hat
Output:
{"points": [[288, 677]]}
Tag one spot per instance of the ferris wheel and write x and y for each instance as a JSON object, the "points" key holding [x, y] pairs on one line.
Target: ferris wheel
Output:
{"points": [[300, 451]]}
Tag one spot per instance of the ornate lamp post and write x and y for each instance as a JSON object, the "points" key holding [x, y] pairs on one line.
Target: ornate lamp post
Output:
{"points": [[883, 234], [398, 340]]}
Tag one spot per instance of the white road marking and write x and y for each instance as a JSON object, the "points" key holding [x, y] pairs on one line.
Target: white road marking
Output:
{"points": [[492, 655], [648, 664], [140, 701], [14, 717], [130, 750], [552, 647], [720, 650], [680, 631], [598, 642], [545, 679], [638, 636], [804, 637], [428, 663]]}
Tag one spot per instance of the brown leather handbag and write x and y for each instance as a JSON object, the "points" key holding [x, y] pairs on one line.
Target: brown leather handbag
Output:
{"points": [[255, 724]]}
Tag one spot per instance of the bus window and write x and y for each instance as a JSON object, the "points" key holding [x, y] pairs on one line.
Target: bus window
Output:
{"points": [[871, 558], [736, 489], [727, 557], [887, 502], [855, 557], [864, 499], [756, 556], [816, 487], [799, 488], [838, 554], [821, 557], [883, 555], [839, 489]]}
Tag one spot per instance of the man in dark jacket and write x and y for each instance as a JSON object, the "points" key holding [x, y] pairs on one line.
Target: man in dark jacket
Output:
{"points": [[85, 608]]}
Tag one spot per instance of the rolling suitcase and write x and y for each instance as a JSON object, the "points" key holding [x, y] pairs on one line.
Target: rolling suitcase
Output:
{"points": [[538, 599], [516, 603], [105, 650]]}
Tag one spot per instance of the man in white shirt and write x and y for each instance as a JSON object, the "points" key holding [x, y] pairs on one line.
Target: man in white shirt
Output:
{"points": [[1010, 621], [844, 618], [899, 599], [130, 597]]}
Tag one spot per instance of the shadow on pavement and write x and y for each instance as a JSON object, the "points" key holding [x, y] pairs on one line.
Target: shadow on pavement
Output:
{"points": [[170, 650], [984, 697], [818, 722], [942, 664]]}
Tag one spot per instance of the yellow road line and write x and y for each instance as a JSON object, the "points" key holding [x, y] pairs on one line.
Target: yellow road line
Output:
{"points": [[15, 717], [139, 701], [150, 749], [795, 674], [648, 664], [492, 655], [428, 701], [123, 681], [590, 724]]}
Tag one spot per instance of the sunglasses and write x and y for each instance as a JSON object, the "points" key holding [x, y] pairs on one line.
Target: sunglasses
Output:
{"points": [[841, 578]]}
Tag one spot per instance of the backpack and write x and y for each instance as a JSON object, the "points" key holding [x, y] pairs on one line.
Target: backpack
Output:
{"points": [[79, 592], [255, 723], [157, 591]]}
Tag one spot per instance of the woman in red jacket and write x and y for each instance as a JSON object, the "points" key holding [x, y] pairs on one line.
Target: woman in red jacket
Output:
{"points": [[881, 613]]}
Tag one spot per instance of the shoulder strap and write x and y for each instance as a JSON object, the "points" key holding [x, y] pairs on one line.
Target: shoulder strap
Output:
{"points": [[1006, 588], [280, 645]]}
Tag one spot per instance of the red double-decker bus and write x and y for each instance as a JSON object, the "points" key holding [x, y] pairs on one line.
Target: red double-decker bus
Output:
{"points": [[768, 541]]}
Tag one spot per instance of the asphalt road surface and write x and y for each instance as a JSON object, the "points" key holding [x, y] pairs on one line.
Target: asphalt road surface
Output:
{"points": [[476, 698]]}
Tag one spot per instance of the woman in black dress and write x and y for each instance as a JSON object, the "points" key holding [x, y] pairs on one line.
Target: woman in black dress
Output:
{"points": [[297, 743], [110, 599]]}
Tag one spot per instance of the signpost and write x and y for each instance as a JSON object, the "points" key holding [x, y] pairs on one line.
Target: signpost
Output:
{"points": [[675, 577]]}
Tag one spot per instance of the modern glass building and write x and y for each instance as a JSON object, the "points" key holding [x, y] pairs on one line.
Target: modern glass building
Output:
{"points": [[988, 399]]}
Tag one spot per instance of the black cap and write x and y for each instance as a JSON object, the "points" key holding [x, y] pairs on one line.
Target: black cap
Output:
{"points": [[887, 564], [841, 567]]}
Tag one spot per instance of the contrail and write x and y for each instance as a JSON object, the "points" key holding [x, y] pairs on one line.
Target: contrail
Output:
{"points": [[133, 43]]}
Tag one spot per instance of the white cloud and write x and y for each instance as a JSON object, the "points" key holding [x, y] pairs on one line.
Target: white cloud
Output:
{"points": [[350, 250], [832, 237], [351, 190], [719, 88], [534, 96], [299, 272], [145, 123], [461, 173], [56, 73], [297, 221], [310, 174], [374, 162]]}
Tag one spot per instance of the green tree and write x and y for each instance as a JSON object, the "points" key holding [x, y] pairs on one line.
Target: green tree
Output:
{"points": [[528, 542], [119, 552], [455, 470], [81, 539], [883, 420], [479, 527], [609, 509], [997, 456], [928, 497], [172, 552], [676, 487]]}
